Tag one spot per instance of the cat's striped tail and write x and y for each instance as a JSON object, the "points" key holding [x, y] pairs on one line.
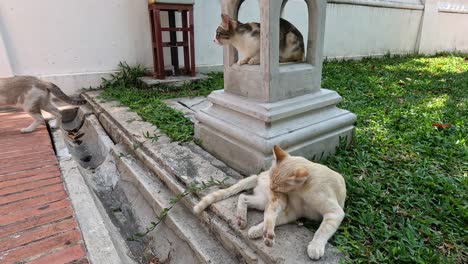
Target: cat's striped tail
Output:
{"points": [[244, 184], [57, 92]]}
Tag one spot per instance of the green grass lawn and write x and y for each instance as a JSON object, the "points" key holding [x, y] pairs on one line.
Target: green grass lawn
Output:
{"points": [[406, 178]]}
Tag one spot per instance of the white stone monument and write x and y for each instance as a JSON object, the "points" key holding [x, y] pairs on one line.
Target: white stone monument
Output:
{"points": [[272, 103]]}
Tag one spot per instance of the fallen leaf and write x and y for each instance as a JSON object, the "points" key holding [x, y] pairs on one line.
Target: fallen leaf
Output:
{"points": [[445, 248], [368, 241], [441, 126], [408, 79], [402, 213]]}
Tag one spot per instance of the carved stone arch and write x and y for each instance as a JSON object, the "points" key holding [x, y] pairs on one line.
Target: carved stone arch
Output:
{"points": [[313, 50], [316, 32], [269, 36], [231, 7], [267, 104], [283, 4]]}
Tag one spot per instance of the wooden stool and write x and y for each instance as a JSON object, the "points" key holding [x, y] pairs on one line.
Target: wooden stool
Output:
{"points": [[158, 44]]}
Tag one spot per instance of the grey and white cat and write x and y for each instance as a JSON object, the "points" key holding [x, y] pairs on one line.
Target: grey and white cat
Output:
{"points": [[246, 39], [34, 95]]}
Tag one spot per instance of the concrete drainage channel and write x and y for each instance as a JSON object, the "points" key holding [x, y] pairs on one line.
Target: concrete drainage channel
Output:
{"points": [[94, 185], [119, 181], [94, 170]]}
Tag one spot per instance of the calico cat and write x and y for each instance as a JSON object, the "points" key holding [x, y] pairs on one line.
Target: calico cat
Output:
{"points": [[34, 95], [246, 39], [292, 188]]}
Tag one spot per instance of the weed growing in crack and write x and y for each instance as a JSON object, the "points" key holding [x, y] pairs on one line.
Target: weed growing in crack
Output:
{"points": [[191, 188], [153, 137]]}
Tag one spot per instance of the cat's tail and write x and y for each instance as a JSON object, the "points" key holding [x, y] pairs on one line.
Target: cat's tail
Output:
{"points": [[57, 92], [244, 184]]}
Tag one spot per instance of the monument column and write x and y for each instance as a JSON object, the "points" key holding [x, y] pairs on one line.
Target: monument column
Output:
{"points": [[272, 103]]}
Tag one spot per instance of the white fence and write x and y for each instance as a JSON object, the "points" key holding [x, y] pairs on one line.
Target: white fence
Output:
{"points": [[76, 42]]}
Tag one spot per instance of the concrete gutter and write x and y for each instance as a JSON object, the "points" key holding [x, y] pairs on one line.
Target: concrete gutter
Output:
{"points": [[115, 196], [99, 234]]}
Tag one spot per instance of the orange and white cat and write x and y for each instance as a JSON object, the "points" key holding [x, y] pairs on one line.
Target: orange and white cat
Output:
{"points": [[292, 188]]}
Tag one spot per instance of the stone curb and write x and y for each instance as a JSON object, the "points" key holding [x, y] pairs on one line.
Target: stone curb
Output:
{"points": [[95, 226]]}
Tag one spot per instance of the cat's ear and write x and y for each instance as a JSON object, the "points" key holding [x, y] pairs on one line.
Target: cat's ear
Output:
{"points": [[299, 177], [225, 19], [279, 153]]}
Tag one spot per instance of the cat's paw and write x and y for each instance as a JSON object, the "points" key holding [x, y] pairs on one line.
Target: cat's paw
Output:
{"points": [[26, 130], [241, 222], [198, 208], [254, 61], [255, 232], [242, 62], [53, 124], [315, 250], [268, 238]]}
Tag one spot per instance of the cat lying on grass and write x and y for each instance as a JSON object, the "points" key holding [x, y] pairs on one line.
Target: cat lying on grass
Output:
{"points": [[292, 188]]}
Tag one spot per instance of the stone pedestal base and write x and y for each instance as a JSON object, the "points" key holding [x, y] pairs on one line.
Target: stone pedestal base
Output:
{"points": [[241, 132]]}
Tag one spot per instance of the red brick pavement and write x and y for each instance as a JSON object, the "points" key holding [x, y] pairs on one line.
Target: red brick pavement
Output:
{"points": [[37, 223]]}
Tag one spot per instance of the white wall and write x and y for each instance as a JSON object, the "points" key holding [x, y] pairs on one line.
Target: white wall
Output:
{"points": [[359, 31], [449, 36], [76, 42], [207, 18], [75, 37], [51, 36], [452, 26], [5, 68]]}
